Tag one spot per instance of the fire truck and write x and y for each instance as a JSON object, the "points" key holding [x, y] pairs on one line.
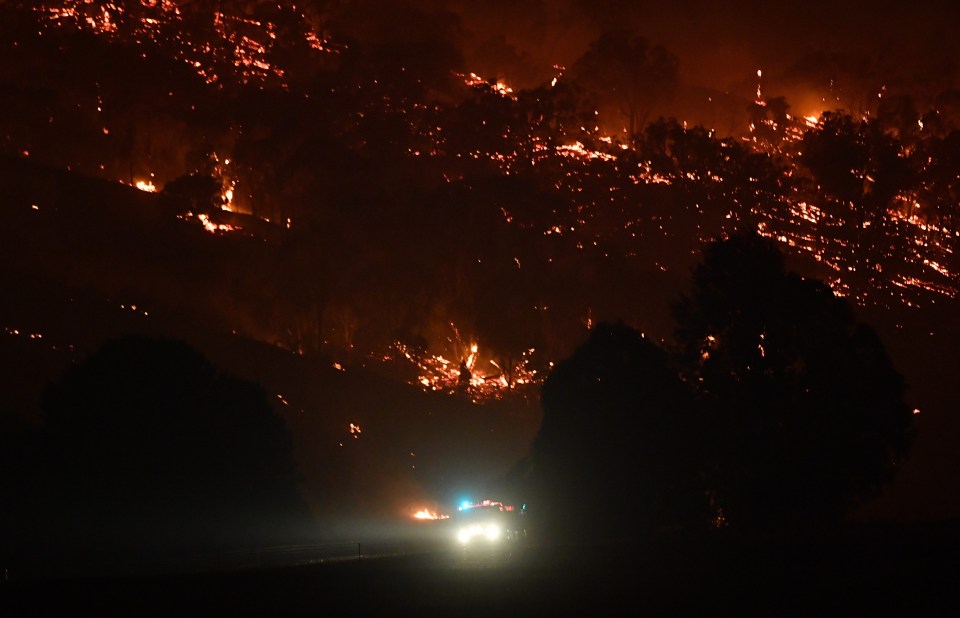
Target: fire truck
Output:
{"points": [[489, 523]]}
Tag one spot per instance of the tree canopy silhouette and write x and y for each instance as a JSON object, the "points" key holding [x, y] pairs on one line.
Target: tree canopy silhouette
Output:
{"points": [[152, 443], [862, 169], [625, 70], [805, 412], [615, 455], [198, 193], [780, 411]]}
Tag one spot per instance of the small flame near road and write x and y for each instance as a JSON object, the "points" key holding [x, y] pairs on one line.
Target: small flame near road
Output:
{"points": [[427, 514]]}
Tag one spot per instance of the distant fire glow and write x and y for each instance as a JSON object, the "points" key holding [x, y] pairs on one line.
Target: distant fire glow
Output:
{"points": [[427, 514]]}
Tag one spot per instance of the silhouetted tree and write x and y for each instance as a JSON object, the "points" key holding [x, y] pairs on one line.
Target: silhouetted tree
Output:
{"points": [[899, 115], [197, 193], [804, 409], [627, 71], [153, 445], [769, 119], [555, 110], [939, 185], [415, 61], [862, 169], [616, 454], [485, 121]]}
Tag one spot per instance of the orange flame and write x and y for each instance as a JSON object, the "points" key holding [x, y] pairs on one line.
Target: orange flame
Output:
{"points": [[429, 515]]}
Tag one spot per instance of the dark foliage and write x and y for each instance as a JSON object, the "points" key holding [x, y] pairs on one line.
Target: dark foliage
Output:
{"points": [[615, 455], [628, 73], [805, 412], [197, 193], [795, 415], [149, 445]]}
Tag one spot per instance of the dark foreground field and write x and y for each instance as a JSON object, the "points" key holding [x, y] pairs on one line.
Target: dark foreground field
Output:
{"points": [[880, 571]]}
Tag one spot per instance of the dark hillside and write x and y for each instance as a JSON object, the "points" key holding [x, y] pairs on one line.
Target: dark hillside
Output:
{"points": [[95, 260]]}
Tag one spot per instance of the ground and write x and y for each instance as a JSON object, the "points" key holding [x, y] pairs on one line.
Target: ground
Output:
{"points": [[874, 571]]}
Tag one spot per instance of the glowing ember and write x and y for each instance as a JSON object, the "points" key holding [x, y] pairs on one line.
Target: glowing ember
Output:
{"points": [[577, 149]]}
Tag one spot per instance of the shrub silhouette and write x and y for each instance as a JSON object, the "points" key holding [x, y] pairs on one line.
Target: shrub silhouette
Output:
{"points": [[151, 444], [615, 454]]}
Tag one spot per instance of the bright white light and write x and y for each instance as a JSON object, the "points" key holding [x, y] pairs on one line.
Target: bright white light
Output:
{"points": [[491, 532], [467, 533]]}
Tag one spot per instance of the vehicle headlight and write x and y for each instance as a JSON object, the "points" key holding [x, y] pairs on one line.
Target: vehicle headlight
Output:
{"points": [[466, 533], [491, 532]]}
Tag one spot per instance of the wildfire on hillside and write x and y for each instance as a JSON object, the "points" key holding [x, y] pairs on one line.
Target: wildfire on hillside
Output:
{"points": [[242, 43], [610, 185]]}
